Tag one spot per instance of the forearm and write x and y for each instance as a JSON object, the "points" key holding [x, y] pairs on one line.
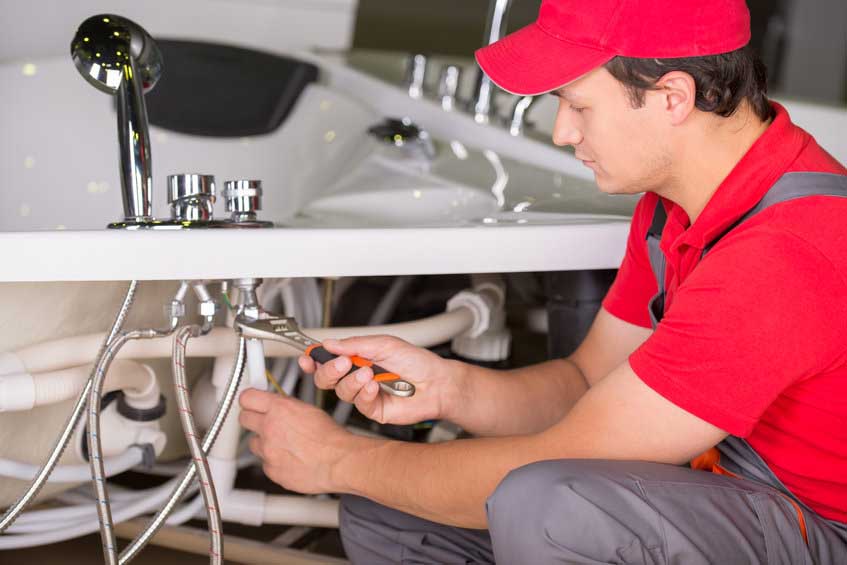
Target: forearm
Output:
{"points": [[522, 401], [446, 483]]}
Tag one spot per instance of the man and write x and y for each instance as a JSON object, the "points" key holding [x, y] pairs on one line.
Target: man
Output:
{"points": [[584, 459]]}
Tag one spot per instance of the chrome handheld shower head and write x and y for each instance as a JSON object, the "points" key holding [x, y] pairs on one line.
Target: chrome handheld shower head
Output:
{"points": [[102, 49], [118, 57]]}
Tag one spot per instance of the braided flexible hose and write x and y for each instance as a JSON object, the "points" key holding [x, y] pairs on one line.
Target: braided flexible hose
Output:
{"points": [[188, 474], [65, 437], [201, 464]]}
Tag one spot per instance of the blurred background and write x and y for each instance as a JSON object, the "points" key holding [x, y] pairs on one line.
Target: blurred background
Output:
{"points": [[802, 42]]}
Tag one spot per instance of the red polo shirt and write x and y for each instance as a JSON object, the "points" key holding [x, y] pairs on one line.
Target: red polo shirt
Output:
{"points": [[754, 338]]}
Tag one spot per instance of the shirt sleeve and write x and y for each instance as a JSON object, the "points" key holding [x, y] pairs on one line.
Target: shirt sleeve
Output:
{"points": [[758, 314], [634, 284]]}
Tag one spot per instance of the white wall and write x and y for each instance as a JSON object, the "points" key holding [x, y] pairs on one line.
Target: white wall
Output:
{"points": [[41, 28]]}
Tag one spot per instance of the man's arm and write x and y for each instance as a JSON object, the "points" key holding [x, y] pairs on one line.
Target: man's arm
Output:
{"points": [[618, 418], [531, 399]]}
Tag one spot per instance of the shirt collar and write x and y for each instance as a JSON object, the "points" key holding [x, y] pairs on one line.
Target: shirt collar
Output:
{"points": [[763, 164]]}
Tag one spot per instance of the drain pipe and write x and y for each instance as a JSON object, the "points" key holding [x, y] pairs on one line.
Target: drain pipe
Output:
{"points": [[25, 391], [488, 339]]}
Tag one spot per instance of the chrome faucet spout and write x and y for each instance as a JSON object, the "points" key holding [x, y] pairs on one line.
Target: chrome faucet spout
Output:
{"points": [[118, 57], [483, 107]]}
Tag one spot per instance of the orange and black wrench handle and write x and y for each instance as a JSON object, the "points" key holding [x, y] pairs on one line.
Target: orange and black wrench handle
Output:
{"points": [[388, 381]]}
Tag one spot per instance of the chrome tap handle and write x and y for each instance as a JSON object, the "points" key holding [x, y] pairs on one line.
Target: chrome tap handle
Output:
{"points": [[191, 197], [118, 57], [243, 198], [448, 86]]}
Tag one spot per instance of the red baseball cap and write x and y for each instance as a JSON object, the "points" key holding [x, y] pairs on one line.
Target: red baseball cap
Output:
{"points": [[572, 37]]}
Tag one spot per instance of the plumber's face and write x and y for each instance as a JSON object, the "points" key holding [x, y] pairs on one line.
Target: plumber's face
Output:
{"points": [[624, 146]]}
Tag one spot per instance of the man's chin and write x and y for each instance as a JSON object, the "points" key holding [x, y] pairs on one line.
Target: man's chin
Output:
{"points": [[605, 184], [608, 186]]}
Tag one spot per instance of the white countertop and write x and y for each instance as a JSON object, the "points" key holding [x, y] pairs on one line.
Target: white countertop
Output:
{"points": [[99, 255]]}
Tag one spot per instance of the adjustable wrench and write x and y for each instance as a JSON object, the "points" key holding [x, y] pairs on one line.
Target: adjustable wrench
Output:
{"points": [[287, 331]]}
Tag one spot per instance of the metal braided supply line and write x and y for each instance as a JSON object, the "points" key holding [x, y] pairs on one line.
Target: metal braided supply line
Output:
{"points": [[201, 464], [95, 447], [188, 474], [59, 448]]}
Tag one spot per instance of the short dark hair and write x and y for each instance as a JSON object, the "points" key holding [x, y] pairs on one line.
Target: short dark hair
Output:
{"points": [[722, 81]]}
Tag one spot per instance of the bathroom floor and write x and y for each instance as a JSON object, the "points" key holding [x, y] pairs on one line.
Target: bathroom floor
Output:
{"points": [[87, 551]]}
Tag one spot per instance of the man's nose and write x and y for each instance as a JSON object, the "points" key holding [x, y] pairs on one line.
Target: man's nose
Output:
{"points": [[565, 131]]}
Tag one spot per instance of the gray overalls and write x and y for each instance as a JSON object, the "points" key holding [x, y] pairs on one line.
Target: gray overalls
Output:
{"points": [[597, 511]]}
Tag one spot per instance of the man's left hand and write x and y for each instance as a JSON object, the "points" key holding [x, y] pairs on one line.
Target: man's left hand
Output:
{"points": [[299, 445]]}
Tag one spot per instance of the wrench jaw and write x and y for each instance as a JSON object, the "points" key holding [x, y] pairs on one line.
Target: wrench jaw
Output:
{"points": [[280, 329]]}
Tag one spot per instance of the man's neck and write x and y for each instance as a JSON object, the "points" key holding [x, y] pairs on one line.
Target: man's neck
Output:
{"points": [[710, 148]]}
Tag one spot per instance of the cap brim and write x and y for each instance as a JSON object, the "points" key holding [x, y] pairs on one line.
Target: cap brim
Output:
{"points": [[530, 61]]}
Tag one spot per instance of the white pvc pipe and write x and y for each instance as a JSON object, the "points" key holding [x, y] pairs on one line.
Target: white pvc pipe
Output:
{"points": [[301, 511], [256, 371], [25, 390], [121, 514], [85, 511], [73, 473], [79, 350]]}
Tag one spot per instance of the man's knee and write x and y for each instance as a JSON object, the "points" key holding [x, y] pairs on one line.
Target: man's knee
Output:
{"points": [[522, 499], [564, 506]]}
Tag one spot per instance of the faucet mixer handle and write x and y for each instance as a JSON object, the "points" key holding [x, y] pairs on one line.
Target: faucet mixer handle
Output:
{"points": [[448, 86], [415, 75]]}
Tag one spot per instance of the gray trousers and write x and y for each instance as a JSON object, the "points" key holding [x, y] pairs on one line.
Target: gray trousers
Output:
{"points": [[593, 511]]}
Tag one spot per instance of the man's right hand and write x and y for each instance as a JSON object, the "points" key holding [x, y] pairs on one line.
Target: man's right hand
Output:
{"points": [[436, 380]]}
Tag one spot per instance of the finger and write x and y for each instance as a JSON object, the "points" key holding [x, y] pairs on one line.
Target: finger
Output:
{"points": [[328, 374], [368, 401], [255, 444], [251, 420], [349, 386], [257, 400], [307, 364], [373, 347]]}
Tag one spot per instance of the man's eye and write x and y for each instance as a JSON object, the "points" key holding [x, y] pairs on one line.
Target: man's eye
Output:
{"points": [[577, 109]]}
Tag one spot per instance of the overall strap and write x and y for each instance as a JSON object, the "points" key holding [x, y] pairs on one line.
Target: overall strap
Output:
{"points": [[657, 261], [790, 186]]}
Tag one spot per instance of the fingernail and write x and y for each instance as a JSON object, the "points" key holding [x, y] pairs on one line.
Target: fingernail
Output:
{"points": [[361, 377], [341, 363]]}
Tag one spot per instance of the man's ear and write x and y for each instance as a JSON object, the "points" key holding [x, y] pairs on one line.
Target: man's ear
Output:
{"points": [[677, 92]]}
